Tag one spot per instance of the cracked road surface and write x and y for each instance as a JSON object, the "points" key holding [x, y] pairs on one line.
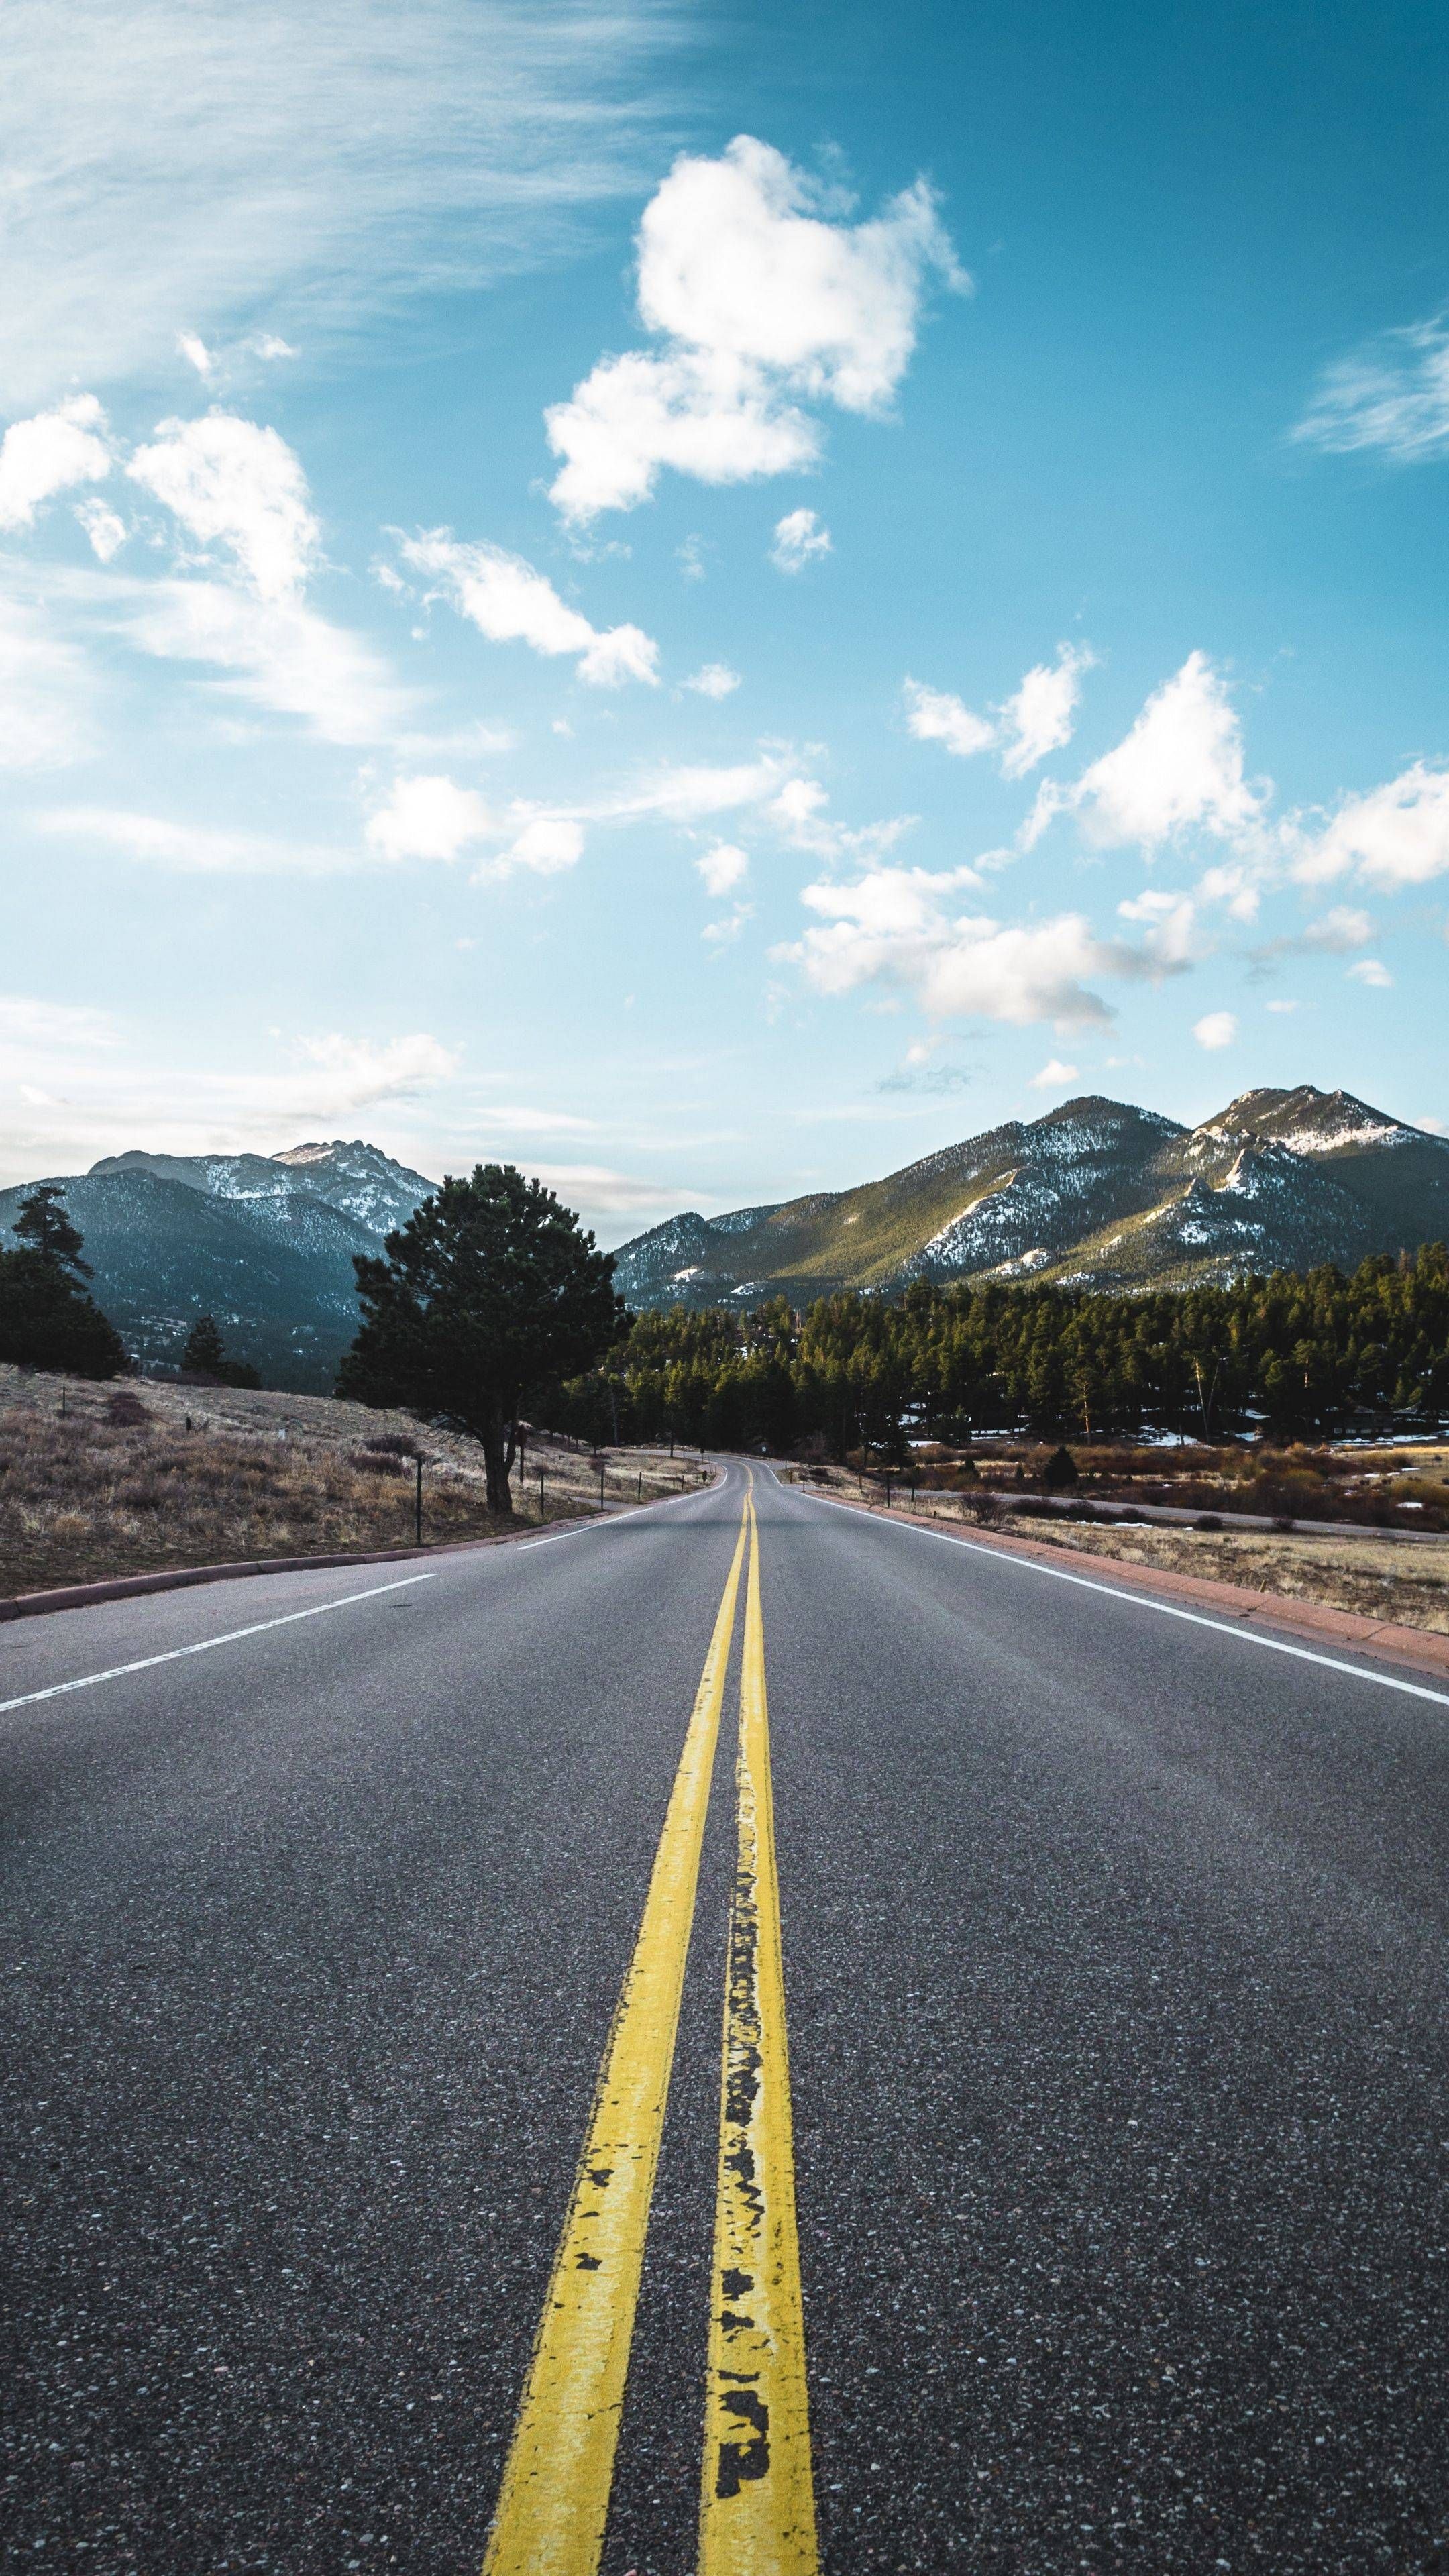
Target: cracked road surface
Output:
{"points": [[1092, 2213]]}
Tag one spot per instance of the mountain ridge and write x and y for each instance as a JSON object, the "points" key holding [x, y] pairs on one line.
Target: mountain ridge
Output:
{"points": [[1095, 1192], [264, 1242]]}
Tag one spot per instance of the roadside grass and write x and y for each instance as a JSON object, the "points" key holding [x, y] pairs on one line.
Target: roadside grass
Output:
{"points": [[1376, 1576], [118, 1483]]}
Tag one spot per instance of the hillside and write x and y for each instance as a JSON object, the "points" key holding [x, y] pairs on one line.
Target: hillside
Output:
{"points": [[263, 1242], [1095, 1192]]}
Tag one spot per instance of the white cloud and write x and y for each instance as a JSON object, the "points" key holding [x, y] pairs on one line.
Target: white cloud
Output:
{"points": [[763, 302], [107, 532], [799, 539], [1179, 769], [183, 165], [933, 715], [1215, 1029], [1055, 1076], [1235, 885], [233, 483], [1372, 971], [1038, 718], [1035, 720], [427, 818], [1283, 1007], [50, 454], [1392, 395], [635, 414], [511, 603], [1171, 937], [1341, 929], [723, 868], [1396, 835], [895, 926], [546, 845], [714, 680], [720, 934], [798, 813], [46, 693], [690, 558], [195, 352]]}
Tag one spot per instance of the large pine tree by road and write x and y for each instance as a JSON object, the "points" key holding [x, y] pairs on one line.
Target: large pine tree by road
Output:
{"points": [[489, 1294]]}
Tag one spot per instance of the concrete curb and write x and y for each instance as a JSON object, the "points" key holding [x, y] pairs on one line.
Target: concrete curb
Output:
{"points": [[1312, 1620]]}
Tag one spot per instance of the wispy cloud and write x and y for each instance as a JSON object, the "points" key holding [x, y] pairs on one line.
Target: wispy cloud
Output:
{"points": [[193, 849], [1392, 395], [47, 692], [75, 1107], [190, 166]]}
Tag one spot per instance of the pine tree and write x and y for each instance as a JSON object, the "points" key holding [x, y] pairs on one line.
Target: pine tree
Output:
{"points": [[205, 1357], [44, 1226], [205, 1352], [489, 1294]]}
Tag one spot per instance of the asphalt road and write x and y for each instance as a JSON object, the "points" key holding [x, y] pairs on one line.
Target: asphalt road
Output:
{"points": [[1114, 1959]]}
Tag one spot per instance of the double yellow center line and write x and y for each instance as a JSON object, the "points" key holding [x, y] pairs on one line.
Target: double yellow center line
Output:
{"points": [[757, 2508]]}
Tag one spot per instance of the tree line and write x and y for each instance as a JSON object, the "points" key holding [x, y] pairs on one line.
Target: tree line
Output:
{"points": [[1290, 1356], [492, 1305]]}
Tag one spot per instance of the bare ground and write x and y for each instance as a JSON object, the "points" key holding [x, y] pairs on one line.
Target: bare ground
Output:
{"points": [[140, 1475]]}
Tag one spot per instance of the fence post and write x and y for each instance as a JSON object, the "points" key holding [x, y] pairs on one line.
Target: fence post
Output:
{"points": [[418, 1519]]}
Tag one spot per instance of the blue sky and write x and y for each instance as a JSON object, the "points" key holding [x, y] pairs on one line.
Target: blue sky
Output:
{"points": [[708, 603]]}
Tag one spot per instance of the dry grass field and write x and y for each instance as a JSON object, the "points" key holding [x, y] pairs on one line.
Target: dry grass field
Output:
{"points": [[1377, 1576], [139, 1475]]}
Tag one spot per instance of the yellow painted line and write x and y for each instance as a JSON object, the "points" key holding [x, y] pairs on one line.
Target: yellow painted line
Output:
{"points": [[757, 2499], [555, 2494]]}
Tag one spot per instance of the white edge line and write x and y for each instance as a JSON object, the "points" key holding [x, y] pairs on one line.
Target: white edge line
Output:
{"points": [[203, 1646], [1139, 1601], [615, 1520]]}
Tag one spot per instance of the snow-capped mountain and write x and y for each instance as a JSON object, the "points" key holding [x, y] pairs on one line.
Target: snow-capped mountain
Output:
{"points": [[265, 1242], [1096, 1192]]}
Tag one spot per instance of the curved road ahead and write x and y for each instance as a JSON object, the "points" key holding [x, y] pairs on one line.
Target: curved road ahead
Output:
{"points": [[1077, 2202]]}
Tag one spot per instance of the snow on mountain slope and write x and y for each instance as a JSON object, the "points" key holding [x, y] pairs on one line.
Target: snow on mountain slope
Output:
{"points": [[1093, 1191]]}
